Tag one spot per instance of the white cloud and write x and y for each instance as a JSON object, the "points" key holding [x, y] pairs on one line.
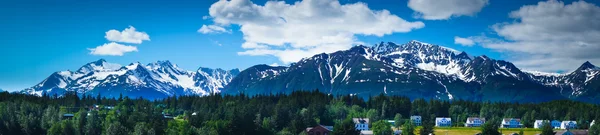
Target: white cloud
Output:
{"points": [[549, 36], [112, 49], [207, 29], [304, 28], [463, 41], [445, 9], [129, 35]]}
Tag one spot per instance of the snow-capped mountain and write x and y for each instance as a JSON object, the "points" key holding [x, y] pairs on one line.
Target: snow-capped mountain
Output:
{"points": [[153, 80], [417, 70], [582, 83]]}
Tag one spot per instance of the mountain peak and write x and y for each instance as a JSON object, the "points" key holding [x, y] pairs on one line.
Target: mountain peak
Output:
{"points": [[587, 65], [98, 65]]}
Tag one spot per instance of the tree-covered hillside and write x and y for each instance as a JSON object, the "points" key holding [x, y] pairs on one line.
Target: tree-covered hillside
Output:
{"points": [[240, 114]]}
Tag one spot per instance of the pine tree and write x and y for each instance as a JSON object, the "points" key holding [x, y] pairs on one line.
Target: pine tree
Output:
{"points": [[547, 129], [408, 129], [345, 127]]}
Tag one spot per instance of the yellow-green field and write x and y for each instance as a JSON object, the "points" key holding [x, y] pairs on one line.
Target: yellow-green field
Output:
{"points": [[472, 131]]}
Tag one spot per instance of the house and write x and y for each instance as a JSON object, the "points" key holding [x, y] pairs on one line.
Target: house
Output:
{"points": [[511, 123], [443, 122], [361, 124], [416, 120], [572, 132], [555, 124], [568, 125], [474, 122], [366, 132], [539, 123], [319, 130], [68, 116]]}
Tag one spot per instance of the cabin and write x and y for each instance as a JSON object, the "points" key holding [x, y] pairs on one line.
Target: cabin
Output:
{"points": [[361, 124], [416, 120], [474, 122], [319, 130], [443, 122], [68, 116], [568, 125], [511, 123]]}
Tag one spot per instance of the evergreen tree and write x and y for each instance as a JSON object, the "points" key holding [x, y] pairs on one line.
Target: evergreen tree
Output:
{"points": [[398, 120], [408, 129], [490, 127], [595, 129], [547, 129], [382, 127], [345, 127]]}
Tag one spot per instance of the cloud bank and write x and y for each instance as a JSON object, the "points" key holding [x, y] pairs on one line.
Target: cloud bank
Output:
{"points": [[445, 9], [112, 49], [304, 28], [548, 33], [129, 35]]}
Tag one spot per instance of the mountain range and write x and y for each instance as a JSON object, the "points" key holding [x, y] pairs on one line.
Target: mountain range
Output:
{"points": [[154, 80], [414, 69]]}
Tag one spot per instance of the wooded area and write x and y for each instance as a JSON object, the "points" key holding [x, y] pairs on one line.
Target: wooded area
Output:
{"points": [[267, 114]]}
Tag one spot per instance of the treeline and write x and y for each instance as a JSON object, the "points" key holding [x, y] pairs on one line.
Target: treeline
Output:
{"points": [[264, 114]]}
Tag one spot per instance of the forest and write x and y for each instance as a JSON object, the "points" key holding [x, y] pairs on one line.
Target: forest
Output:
{"points": [[281, 114]]}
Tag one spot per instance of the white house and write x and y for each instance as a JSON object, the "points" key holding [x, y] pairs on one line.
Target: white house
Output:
{"points": [[361, 124], [416, 120], [443, 122], [511, 123], [474, 122], [568, 125], [540, 123]]}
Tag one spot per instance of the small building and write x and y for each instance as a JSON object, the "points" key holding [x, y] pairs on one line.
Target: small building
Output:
{"points": [[366, 132], [416, 120], [68, 116], [474, 122], [319, 130], [392, 122], [361, 124], [568, 125], [540, 123], [511, 123], [167, 116], [443, 122]]}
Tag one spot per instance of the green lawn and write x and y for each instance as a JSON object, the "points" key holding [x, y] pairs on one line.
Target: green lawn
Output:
{"points": [[472, 131]]}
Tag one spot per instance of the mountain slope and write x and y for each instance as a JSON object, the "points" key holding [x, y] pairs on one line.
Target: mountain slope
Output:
{"points": [[414, 69], [155, 80]]}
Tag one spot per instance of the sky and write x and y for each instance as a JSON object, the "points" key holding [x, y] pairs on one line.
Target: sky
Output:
{"points": [[39, 37]]}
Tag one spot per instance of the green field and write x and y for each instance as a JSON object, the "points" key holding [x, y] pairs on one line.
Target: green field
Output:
{"points": [[475, 130]]}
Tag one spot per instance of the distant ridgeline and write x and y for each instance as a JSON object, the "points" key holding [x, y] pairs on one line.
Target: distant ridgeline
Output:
{"points": [[414, 69], [292, 113]]}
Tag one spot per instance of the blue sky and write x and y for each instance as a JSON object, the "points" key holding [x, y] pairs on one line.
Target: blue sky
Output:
{"points": [[39, 37]]}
